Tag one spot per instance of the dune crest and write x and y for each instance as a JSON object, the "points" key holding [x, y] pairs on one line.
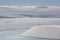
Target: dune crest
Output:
{"points": [[44, 31]]}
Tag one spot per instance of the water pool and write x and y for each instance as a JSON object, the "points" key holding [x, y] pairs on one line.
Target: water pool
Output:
{"points": [[16, 35]]}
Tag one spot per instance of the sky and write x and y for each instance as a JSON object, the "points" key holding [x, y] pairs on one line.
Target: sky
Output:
{"points": [[30, 2]]}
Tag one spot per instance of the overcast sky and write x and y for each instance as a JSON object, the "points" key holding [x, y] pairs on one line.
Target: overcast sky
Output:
{"points": [[29, 2]]}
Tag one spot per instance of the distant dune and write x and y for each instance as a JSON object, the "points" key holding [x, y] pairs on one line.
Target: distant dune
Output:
{"points": [[29, 11]]}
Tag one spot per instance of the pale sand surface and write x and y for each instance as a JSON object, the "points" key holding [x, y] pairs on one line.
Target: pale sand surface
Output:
{"points": [[25, 23], [7, 25], [16, 35], [7, 11], [44, 31]]}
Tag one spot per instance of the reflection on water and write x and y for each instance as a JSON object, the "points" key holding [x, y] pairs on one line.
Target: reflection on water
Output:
{"points": [[16, 35]]}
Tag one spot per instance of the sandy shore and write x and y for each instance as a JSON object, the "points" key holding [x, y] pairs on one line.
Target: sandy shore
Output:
{"points": [[25, 23]]}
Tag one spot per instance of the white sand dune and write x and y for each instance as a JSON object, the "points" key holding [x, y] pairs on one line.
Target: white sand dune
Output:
{"points": [[29, 11], [18, 23], [44, 31]]}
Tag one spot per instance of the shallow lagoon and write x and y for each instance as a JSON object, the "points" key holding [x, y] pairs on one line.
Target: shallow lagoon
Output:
{"points": [[16, 35]]}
